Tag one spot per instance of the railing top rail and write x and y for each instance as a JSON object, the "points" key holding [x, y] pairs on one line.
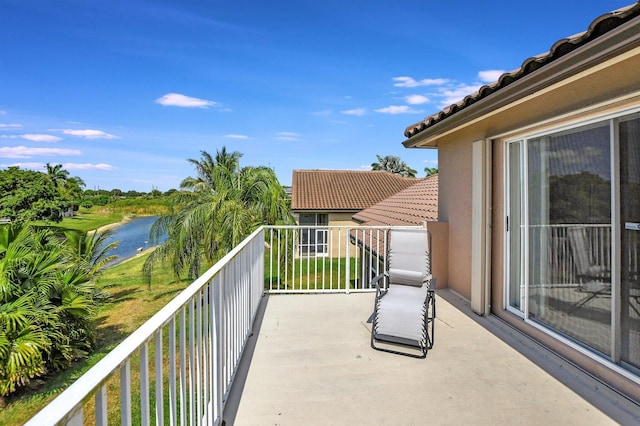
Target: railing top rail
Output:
{"points": [[63, 406], [573, 225], [363, 227]]}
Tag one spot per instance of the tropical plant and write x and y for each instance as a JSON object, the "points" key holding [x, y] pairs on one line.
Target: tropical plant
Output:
{"points": [[47, 301], [430, 171], [215, 211], [393, 164]]}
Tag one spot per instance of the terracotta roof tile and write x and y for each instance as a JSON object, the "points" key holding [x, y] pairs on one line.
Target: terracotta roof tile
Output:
{"points": [[598, 27], [411, 206], [346, 190]]}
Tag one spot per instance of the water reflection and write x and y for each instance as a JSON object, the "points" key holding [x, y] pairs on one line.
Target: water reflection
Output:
{"points": [[133, 238]]}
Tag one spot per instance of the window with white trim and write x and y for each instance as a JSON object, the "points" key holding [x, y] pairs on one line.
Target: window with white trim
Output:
{"points": [[314, 239]]}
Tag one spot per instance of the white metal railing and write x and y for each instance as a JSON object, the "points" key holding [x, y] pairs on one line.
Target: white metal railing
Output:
{"points": [[302, 259], [556, 264], [186, 355]]}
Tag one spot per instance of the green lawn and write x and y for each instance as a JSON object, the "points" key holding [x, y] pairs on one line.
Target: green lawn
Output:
{"points": [[317, 273], [86, 220]]}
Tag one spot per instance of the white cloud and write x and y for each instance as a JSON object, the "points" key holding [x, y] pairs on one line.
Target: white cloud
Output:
{"points": [[4, 126], [40, 138], [454, 95], [25, 152], [489, 76], [88, 166], [396, 109], [416, 99], [176, 99], [356, 111], [236, 136], [31, 166], [66, 166], [3, 112], [89, 134], [287, 136], [8, 137], [410, 82]]}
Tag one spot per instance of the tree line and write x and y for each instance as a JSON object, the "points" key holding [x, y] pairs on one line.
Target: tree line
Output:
{"points": [[28, 195], [394, 164]]}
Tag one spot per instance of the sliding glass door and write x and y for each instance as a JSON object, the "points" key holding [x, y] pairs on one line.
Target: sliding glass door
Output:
{"points": [[573, 234], [629, 137]]}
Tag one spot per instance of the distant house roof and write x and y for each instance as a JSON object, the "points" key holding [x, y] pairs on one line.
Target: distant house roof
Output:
{"points": [[411, 206], [601, 25], [343, 190]]}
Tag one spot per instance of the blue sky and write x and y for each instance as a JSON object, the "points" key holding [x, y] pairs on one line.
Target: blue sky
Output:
{"points": [[122, 93]]}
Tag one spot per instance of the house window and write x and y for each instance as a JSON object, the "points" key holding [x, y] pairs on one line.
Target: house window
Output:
{"points": [[573, 235], [313, 234]]}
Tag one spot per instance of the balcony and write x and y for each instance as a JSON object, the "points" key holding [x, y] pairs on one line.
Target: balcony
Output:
{"points": [[277, 332]]}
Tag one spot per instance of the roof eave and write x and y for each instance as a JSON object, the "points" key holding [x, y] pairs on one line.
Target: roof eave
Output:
{"points": [[601, 49]]}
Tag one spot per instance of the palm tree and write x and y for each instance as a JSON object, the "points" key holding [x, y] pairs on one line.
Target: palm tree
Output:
{"points": [[57, 174], [224, 205], [393, 164], [430, 171]]}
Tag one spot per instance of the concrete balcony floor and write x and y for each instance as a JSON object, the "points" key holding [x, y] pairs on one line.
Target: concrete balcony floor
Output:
{"points": [[312, 364]]}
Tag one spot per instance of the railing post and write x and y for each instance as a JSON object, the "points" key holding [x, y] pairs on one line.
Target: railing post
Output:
{"points": [[77, 419], [172, 373], [101, 406], [158, 378], [145, 417], [125, 394], [347, 272]]}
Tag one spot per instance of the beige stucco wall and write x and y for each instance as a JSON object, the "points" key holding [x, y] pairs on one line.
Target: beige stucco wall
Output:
{"points": [[439, 252], [454, 207], [498, 225], [340, 250]]}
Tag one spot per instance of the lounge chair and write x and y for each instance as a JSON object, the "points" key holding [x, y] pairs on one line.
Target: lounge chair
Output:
{"points": [[404, 309], [593, 279]]}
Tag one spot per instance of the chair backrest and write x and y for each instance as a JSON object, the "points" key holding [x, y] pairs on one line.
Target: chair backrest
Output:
{"points": [[579, 249], [408, 257]]}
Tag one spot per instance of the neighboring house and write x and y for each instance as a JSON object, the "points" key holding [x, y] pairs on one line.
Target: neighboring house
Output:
{"points": [[416, 205], [321, 198], [539, 182]]}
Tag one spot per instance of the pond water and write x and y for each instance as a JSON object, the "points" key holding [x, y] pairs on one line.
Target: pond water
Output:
{"points": [[133, 238]]}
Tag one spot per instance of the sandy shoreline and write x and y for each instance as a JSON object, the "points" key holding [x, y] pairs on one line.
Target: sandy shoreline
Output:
{"points": [[114, 225]]}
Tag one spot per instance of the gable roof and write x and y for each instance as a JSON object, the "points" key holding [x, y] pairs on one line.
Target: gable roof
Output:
{"points": [[601, 25], [343, 190], [411, 206]]}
